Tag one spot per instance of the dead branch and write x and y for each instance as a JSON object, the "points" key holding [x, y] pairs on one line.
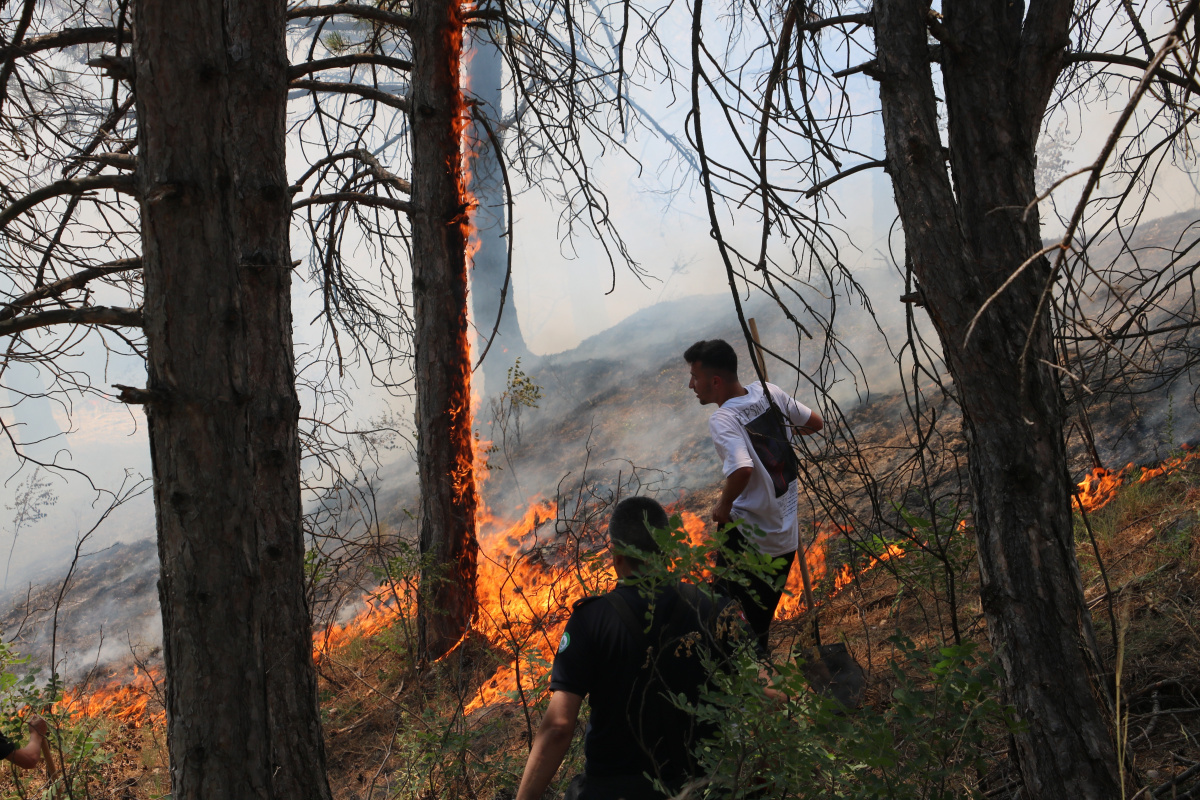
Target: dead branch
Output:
{"points": [[67, 37], [75, 281], [355, 197], [1184, 81], [367, 92], [352, 60], [91, 315], [73, 186]]}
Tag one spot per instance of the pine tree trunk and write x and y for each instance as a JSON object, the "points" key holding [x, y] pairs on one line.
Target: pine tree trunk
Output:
{"points": [[442, 365], [242, 717], [965, 240]]}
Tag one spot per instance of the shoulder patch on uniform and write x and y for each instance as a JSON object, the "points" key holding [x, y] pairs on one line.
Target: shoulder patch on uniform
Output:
{"points": [[565, 642]]}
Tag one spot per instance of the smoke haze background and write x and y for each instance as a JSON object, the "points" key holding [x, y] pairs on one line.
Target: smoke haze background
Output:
{"points": [[606, 348]]}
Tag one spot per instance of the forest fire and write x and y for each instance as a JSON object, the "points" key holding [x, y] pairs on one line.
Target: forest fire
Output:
{"points": [[792, 603], [382, 609], [1101, 485], [127, 702], [528, 583]]}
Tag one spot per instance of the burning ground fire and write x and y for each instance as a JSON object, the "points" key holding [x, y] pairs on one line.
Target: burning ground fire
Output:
{"points": [[1101, 485], [125, 701], [529, 578], [792, 603]]}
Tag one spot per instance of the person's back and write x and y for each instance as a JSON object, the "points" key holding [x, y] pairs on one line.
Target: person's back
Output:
{"points": [[632, 666], [633, 671]]}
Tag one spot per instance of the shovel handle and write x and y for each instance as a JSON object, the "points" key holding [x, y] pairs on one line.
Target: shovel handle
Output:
{"points": [[808, 596], [762, 364], [48, 757]]}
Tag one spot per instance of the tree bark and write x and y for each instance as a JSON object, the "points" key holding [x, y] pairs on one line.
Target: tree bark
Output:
{"points": [[442, 364], [965, 240], [242, 716]]}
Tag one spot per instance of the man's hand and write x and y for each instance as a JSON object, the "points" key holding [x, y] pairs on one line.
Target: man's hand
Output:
{"points": [[735, 484], [37, 724]]}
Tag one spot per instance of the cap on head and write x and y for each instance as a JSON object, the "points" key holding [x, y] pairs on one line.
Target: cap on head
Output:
{"points": [[713, 354], [629, 520]]}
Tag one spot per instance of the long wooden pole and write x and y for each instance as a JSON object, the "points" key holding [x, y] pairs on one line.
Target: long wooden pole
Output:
{"points": [[803, 551], [48, 757], [758, 352]]}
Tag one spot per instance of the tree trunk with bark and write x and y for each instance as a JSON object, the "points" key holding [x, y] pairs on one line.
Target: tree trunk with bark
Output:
{"points": [[442, 365], [965, 240], [242, 715]]}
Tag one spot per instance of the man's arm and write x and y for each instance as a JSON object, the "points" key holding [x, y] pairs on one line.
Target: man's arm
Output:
{"points": [[27, 757], [814, 424], [735, 484], [550, 744]]}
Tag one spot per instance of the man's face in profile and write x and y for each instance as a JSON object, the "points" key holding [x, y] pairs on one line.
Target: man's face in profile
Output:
{"points": [[704, 383]]}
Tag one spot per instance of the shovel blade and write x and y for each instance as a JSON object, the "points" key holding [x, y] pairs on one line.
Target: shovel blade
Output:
{"points": [[834, 673]]}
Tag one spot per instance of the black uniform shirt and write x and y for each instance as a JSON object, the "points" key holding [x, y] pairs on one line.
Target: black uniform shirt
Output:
{"points": [[6, 747], [635, 728]]}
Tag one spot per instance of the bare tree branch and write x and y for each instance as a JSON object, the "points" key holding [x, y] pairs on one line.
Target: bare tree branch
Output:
{"points": [[846, 173], [67, 37], [355, 197], [91, 315], [75, 281], [368, 92], [1119, 59], [341, 62], [73, 186]]}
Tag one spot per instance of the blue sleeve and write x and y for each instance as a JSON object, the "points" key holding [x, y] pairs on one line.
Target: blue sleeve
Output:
{"points": [[575, 662], [6, 747]]}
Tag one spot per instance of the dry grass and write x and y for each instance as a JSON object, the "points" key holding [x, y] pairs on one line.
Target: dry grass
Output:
{"points": [[396, 731]]}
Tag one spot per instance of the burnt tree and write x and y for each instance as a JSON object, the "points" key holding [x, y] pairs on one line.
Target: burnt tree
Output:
{"points": [[442, 367], [221, 399]]}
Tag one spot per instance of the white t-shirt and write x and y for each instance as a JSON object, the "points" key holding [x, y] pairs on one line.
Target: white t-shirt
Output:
{"points": [[746, 434]]}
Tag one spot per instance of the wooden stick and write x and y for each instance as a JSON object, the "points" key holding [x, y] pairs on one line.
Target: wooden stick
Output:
{"points": [[48, 757], [758, 348], [802, 554]]}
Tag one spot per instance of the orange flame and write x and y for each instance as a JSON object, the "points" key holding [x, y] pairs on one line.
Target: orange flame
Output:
{"points": [[525, 596], [792, 603], [127, 702], [1100, 486], [1171, 465]]}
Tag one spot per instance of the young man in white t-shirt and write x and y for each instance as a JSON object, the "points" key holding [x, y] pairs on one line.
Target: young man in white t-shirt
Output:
{"points": [[760, 489]]}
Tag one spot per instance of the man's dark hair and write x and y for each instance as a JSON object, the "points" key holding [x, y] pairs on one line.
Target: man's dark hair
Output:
{"points": [[629, 520], [714, 354]]}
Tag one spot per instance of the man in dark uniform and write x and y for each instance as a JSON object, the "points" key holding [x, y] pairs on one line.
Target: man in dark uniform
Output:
{"points": [[629, 664], [25, 757]]}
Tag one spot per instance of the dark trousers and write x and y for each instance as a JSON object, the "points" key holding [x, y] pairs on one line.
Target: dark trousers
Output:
{"points": [[615, 787], [758, 596]]}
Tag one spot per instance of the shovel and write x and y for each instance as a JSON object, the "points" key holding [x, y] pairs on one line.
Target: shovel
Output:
{"points": [[834, 672]]}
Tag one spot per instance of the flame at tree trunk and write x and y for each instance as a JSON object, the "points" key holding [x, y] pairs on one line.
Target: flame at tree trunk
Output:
{"points": [[442, 367]]}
